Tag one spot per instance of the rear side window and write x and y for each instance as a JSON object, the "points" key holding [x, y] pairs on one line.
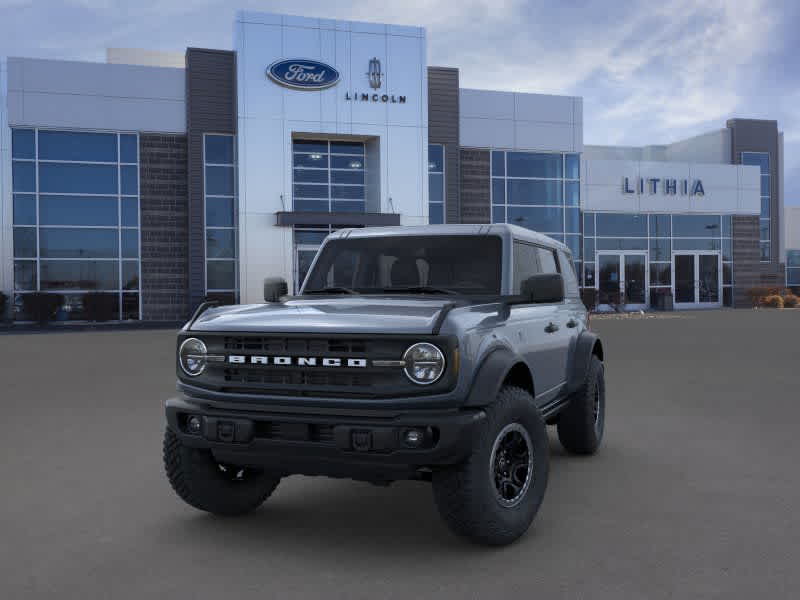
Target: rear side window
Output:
{"points": [[570, 279], [526, 263], [547, 260]]}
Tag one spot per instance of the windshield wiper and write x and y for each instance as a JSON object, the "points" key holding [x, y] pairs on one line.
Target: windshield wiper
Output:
{"points": [[421, 289], [332, 290]]}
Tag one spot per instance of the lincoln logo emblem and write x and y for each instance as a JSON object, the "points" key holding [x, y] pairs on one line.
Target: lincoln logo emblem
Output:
{"points": [[374, 74]]}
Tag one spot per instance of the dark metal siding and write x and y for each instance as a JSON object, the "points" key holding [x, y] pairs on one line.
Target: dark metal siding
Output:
{"points": [[443, 115], [210, 108], [475, 199]]}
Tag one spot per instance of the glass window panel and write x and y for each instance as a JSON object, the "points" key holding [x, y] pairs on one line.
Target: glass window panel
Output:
{"points": [[25, 242], [23, 176], [727, 226], [526, 264], [436, 213], [498, 214], [311, 205], [573, 166], [793, 277], [129, 180], [532, 164], [696, 225], [547, 260], [342, 162], [559, 237], [130, 243], [498, 191], [310, 191], [765, 208], [79, 275], [25, 275], [220, 181], [765, 185], [219, 149], [24, 209], [310, 146], [315, 160], [348, 206], [695, 244], [624, 225], [220, 243], [766, 251], [660, 249], [77, 210], [660, 226], [498, 163], [77, 145], [588, 274], [347, 148], [128, 148], [588, 224], [527, 191], [358, 177], [219, 212], [763, 229], [793, 258], [727, 297], [312, 238], [727, 273], [435, 158], [130, 274], [574, 243], [55, 242], [130, 307], [436, 187], [543, 219], [77, 179], [347, 192], [621, 243], [130, 212], [312, 175], [572, 190], [572, 220], [221, 274], [660, 274], [23, 143], [759, 159], [588, 249]]}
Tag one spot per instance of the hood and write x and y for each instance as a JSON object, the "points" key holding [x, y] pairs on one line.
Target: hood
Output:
{"points": [[327, 315]]}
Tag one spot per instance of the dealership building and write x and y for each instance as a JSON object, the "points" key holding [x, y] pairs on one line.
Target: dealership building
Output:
{"points": [[167, 179]]}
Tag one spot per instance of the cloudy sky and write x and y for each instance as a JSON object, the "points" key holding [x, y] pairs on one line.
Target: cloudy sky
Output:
{"points": [[649, 72]]}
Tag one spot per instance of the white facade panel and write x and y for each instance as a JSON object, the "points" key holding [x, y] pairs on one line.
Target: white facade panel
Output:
{"points": [[791, 227], [485, 104], [545, 136], [486, 133]]}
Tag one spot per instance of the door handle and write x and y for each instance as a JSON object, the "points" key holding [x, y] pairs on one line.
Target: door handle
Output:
{"points": [[551, 327], [572, 323]]}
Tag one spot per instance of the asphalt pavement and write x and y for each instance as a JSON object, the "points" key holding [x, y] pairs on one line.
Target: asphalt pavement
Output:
{"points": [[694, 494]]}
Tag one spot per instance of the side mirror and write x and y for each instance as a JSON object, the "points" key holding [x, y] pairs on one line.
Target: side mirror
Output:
{"points": [[275, 288], [543, 288]]}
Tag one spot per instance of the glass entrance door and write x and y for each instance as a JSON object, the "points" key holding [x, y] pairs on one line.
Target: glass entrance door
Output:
{"points": [[622, 280], [697, 279]]}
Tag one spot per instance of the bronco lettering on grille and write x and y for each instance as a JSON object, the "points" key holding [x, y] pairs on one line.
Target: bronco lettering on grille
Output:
{"points": [[300, 361]]}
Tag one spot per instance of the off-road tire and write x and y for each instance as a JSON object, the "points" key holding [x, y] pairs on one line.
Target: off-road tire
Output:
{"points": [[580, 428], [466, 494], [200, 482]]}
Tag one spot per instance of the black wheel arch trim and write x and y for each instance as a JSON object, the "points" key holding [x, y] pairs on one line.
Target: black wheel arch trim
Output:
{"points": [[490, 376], [588, 345]]}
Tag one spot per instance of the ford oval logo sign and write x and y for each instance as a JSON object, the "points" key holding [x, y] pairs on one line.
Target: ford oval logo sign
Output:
{"points": [[303, 74]]}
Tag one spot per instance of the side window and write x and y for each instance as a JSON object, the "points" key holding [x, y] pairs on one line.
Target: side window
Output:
{"points": [[547, 260], [570, 279], [526, 263]]}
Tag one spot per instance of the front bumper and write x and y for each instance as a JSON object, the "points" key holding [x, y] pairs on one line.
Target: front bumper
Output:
{"points": [[358, 444]]}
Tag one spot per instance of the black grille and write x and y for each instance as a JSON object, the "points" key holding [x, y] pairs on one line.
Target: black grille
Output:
{"points": [[302, 346], [293, 376]]}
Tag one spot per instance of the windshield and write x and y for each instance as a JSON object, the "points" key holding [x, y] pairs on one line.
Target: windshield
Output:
{"points": [[442, 264]]}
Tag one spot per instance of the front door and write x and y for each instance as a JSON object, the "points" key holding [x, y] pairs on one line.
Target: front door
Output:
{"points": [[697, 279], [621, 280]]}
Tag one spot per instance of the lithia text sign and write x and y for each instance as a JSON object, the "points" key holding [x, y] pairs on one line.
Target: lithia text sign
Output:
{"points": [[667, 186]]}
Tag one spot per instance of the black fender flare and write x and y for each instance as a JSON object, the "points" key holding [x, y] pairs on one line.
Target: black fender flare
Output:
{"points": [[588, 344], [490, 376]]}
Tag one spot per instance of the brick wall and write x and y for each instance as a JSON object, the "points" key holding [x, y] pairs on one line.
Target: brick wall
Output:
{"points": [[475, 198], [165, 232]]}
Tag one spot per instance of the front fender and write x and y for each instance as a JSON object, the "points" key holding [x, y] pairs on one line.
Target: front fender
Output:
{"points": [[490, 376]]}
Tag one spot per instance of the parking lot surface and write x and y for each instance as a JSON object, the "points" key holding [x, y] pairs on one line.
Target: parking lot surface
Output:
{"points": [[695, 493]]}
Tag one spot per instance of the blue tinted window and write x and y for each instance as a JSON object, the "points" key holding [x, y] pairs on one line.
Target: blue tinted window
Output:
{"points": [[436, 214], [129, 183], [660, 226], [572, 189], [727, 249], [220, 274], [130, 275], [311, 205], [765, 208], [573, 166], [24, 209], [696, 225], [348, 206], [128, 149], [310, 146], [765, 185], [660, 249], [24, 275], [435, 158], [766, 251], [498, 214], [588, 224], [220, 243], [759, 159], [526, 191], [357, 177], [219, 149], [219, 181], [529, 164], [80, 275], [347, 148], [130, 212], [727, 225], [130, 243], [219, 212], [347, 192], [623, 225], [543, 219], [77, 179], [77, 210], [23, 143], [310, 191], [314, 238], [793, 277], [764, 229], [793, 258], [78, 243], [25, 242], [573, 220], [339, 162], [498, 191], [313, 175], [695, 244], [436, 187], [621, 244], [23, 176], [588, 249], [498, 163], [574, 243], [320, 161], [73, 145]]}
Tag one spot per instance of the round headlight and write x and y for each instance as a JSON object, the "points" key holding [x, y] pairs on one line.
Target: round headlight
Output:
{"points": [[424, 363], [192, 356]]}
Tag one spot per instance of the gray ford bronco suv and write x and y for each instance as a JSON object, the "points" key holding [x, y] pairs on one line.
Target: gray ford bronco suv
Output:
{"points": [[435, 353]]}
